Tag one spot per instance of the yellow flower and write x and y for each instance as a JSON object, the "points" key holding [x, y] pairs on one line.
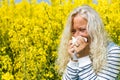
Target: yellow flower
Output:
{"points": [[7, 76]]}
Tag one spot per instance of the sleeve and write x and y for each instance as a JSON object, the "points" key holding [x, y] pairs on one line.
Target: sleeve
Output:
{"points": [[71, 72], [84, 70], [109, 72]]}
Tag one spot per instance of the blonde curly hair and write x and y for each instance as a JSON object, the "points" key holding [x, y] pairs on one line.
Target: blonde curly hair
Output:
{"points": [[99, 38]]}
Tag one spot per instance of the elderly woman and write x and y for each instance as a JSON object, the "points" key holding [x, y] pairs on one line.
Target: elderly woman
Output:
{"points": [[85, 51]]}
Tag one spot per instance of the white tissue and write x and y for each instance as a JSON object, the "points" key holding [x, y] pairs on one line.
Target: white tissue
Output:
{"points": [[85, 39], [74, 39], [73, 42]]}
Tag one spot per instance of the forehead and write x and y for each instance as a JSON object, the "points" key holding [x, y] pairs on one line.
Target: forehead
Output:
{"points": [[78, 19], [78, 15]]}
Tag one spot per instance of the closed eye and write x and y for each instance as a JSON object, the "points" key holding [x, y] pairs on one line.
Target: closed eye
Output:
{"points": [[82, 29], [73, 31]]}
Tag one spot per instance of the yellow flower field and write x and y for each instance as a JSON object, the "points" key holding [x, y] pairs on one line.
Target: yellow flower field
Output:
{"points": [[30, 33]]}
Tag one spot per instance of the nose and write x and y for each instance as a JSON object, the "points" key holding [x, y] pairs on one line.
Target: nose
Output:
{"points": [[77, 33]]}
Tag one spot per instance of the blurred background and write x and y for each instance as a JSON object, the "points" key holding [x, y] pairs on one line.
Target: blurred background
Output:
{"points": [[30, 32]]}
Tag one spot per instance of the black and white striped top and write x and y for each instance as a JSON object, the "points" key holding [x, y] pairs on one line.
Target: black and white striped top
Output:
{"points": [[82, 70]]}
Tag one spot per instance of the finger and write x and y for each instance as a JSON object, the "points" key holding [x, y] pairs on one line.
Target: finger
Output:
{"points": [[82, 39], [71, 51], [77, 49], [77, 44], [70, 42], [70, 45], [79, 41]]}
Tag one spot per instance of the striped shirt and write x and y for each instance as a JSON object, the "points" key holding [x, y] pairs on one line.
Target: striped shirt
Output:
{"points": [[82, 70]]}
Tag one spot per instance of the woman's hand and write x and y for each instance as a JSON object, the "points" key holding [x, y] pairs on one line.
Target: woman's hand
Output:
{"points": [[71, 48], [81, 47]]}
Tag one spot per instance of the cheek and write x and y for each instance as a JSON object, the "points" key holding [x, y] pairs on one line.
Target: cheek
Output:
{"points": [[85, 34], [89, 40], [88, 37]]}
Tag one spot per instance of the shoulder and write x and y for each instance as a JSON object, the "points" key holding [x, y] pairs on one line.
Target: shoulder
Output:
{"points": [[112, 47]]}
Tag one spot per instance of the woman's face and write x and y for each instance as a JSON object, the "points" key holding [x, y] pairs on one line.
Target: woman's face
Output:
{"points": [[79, 26]]}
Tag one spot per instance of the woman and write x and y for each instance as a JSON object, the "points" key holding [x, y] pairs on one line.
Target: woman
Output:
{"points": [[90, 55]]}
